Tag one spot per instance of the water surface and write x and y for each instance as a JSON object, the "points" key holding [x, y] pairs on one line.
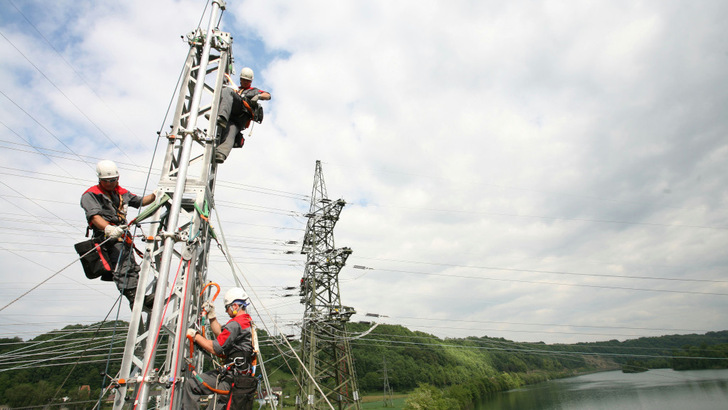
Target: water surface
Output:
{"points": [[662, 389]]}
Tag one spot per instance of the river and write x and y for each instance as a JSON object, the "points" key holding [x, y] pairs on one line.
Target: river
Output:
{"points": [[662, 389]]}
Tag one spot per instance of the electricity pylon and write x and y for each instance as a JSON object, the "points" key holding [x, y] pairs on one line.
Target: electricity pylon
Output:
{"points": [[388, 395], [328, 366], [179, 237]]}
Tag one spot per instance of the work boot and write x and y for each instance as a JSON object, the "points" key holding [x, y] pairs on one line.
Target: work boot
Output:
{"points": [[130, 294], [149, 301], [220, 157], [221, 121]]}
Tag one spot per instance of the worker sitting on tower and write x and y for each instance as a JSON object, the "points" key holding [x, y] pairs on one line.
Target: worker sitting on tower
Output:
{"points": [[106, 205], [233, 342], [237, 109]]}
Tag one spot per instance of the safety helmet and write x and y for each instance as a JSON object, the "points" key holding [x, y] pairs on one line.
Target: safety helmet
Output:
{"points": [[236, 295], [106, 169], [246, 74]]}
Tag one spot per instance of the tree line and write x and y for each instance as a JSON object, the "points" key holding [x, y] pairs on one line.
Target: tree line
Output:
{"points": [[446, 371]]}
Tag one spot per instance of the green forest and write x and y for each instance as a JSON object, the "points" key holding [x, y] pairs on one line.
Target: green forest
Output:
{"points": [[70, 365]]}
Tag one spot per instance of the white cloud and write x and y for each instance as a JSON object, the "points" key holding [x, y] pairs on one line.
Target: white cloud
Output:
{"points": [[522, 137]]}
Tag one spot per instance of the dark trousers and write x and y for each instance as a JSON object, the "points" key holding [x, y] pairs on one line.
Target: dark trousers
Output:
{"points": [[121, 255], [237, 117], [194, 390]]}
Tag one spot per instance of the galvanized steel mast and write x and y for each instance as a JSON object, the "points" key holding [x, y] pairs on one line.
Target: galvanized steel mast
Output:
{"points": [[180, 236]]}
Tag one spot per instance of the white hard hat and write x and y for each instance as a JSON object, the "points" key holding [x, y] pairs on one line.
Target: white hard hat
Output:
{"points": [[236, 294], [246, 74], [106, 169]]}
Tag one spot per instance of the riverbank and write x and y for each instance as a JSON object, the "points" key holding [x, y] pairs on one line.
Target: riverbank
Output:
{"points": [[652, 390]]}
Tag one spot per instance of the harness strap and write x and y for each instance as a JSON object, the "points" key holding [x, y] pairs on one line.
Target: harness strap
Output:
{"points": [[191, 367], [119, 211]]}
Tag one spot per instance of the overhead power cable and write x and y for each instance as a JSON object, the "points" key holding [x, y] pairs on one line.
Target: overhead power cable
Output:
{"points": [[67, 98], [48, 157], [234, 266], [538, 351], [596, 275], [37, 150], [552, 218], [551, 324], [47, 279], [80, 77], [470, 187], [521, 344], [45, 129], [583, 285]]}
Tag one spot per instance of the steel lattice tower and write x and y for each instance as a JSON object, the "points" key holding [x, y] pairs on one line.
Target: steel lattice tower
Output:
{"points": [[179, 237], [325, 349], [388, 395]]}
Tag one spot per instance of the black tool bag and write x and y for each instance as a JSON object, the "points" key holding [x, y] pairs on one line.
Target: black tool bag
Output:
{"points": [[96, 263], [242, 392]]}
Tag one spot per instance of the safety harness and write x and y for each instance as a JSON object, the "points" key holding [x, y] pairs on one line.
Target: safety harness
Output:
{"points": [[242, 373]]}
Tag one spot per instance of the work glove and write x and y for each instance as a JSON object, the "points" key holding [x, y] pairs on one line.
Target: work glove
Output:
{"points": [[210, 309], [191, 333], [255, 98], [113, 231]]}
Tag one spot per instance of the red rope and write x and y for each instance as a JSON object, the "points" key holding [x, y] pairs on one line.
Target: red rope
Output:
{"points": [[179, 331], [156, 337]]}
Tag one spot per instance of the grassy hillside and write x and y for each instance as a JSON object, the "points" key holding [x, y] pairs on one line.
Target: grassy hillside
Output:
{"points": [[56, 364]]}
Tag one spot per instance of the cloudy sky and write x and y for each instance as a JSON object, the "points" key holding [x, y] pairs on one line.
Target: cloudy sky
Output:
{"points": [[527, 169]]}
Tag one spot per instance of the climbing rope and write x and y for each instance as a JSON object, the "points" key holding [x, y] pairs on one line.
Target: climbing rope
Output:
{"points": [[159, 329]]}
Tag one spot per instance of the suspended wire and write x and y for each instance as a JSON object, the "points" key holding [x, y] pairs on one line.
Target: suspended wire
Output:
{"points": [[118, 300], [43, 127], [44, 364], [551, 324], [227, 184], [54, 177], [38, 150], [31, 289], [263, 190], [235, 269], [531, 332], [81, 182], [537, 351], [509, 187], [431, 326], [596, 275], [552, 218], [111, 345], [687, 292], [66, 97], [256, 208], [39, 205], [35, 343], [88, 86], [50, 277]]}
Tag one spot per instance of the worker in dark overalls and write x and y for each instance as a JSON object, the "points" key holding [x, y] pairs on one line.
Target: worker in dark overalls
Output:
{"points": [[233, 342]]}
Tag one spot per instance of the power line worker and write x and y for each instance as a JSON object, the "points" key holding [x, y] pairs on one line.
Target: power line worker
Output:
{"points": [[106, 206], [234, 342], [237, 109]]}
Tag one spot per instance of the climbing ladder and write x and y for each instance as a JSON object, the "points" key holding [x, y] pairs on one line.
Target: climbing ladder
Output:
{"points": [[178, 239]]}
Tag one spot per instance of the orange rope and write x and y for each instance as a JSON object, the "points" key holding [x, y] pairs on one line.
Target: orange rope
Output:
{"points": [[192, 369], [204, 312]]}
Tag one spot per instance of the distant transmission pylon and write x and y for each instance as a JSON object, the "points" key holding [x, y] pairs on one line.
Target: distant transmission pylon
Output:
{"points": [[388, 395], [325, 349]]}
